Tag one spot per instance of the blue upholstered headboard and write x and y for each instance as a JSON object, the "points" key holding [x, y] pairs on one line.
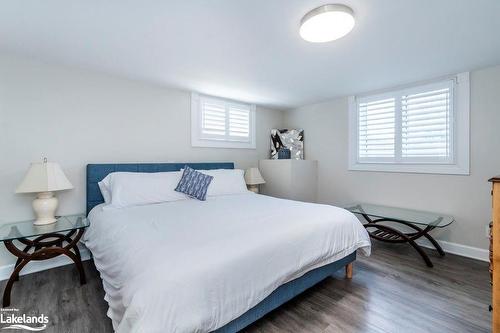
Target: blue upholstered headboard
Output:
{"points": [[97, 172]]}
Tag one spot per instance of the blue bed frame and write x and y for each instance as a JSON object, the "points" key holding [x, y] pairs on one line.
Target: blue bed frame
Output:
{"points": [[97, 172]]}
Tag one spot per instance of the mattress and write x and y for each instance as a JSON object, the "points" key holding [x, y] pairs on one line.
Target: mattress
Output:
{"points": [[193, 266]]}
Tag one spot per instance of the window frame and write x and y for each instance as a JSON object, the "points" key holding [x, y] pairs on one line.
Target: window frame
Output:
{"points": [[458, 164], [198, 139]]}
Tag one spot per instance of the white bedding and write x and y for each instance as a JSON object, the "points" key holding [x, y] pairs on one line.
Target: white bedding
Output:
{"points": [[193, 266]]}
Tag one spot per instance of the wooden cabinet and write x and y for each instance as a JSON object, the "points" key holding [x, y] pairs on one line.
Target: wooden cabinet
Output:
{"points": [[495, 258], [290, 179]]}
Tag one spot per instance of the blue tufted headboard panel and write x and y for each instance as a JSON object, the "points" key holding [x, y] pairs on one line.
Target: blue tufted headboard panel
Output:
{"points": [[97, 172]]}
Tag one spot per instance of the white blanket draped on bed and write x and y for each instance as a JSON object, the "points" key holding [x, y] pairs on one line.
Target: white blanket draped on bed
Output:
{"points": [[192, 266]]}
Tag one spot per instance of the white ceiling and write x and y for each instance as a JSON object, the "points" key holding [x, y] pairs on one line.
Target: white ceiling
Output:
{"points": [[250, 49]]}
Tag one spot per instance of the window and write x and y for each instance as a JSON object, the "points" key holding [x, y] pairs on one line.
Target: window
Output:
{"points": [[221, 123], [423, 128]]}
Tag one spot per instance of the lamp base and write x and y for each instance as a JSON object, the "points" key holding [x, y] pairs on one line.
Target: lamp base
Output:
{"points": [[45, 206], [254, 188]]}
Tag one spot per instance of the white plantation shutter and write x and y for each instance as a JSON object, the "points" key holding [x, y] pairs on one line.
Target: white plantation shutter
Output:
{"points": [[213, 118], [420, 129], [239, 121], [222, 120], [376, 129], [427, 124], [407, 126], [218, 122]]}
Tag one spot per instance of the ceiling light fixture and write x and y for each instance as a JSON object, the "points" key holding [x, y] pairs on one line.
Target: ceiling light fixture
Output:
{"points": [[327, 23]]}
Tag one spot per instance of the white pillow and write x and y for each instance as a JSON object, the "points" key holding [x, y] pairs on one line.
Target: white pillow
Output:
{"points": [[226, 181], [104, 186], [137, 188]]}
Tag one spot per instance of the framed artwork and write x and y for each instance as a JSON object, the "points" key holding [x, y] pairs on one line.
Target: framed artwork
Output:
{"points": [[287, 144]]}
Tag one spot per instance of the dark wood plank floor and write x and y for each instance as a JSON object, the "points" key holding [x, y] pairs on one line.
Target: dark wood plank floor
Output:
{"points": [[392, 291]]}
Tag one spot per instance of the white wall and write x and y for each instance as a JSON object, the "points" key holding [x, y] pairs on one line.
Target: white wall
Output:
{"points": [[77, 117], [465, 197]]}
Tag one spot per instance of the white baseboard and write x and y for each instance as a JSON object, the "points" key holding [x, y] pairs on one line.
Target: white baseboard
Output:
{"points": [[37, 266], [459, 249]]}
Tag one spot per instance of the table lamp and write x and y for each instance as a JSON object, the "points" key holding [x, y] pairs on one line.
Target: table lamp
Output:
{"points": [[44, 178], [253, 178]]}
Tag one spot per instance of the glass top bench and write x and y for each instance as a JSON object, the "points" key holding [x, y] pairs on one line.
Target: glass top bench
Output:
{"points": [[420, 223]]}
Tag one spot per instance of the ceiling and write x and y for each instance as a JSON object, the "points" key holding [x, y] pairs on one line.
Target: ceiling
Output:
{"points": [[250, 50]]}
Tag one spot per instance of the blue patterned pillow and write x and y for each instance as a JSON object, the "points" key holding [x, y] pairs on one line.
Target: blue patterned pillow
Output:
{"points": [[194, 183]]}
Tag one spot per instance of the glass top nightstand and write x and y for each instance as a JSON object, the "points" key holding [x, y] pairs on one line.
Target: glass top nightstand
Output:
{"points": [[26, 229], [41, 242], [382, 221]]}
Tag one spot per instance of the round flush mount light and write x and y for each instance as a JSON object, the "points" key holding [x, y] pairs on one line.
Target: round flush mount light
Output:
{"points": [[327, 23]]}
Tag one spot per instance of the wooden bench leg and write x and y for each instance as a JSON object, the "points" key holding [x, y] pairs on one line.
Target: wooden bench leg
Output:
{"points": [[348, 271]]}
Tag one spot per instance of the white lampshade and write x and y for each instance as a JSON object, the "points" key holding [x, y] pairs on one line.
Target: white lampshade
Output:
{"points": [[253, 177], [44, 177]]}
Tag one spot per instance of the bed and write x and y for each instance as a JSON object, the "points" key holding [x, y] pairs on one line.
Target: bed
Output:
{"points": [[215, 265]]}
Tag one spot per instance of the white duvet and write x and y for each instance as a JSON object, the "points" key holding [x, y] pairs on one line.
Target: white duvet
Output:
{"points": [[193, 266]]}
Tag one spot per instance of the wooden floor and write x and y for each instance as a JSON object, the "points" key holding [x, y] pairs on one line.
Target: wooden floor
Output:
{"points": [[392, 291]]}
